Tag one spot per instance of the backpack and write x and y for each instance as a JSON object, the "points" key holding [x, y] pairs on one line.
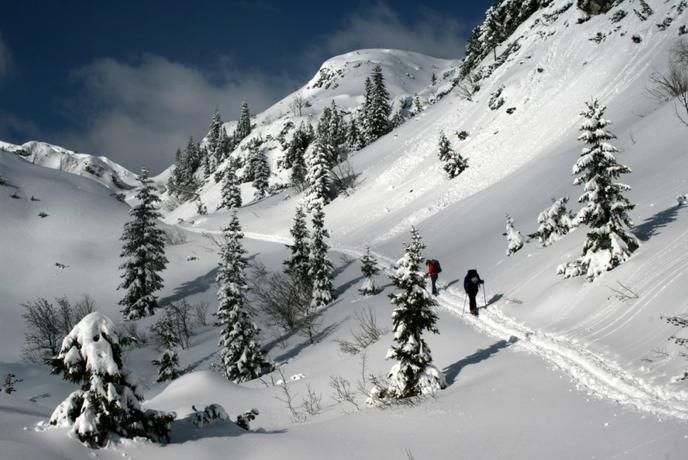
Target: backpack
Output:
{"points": [[436, 264]]}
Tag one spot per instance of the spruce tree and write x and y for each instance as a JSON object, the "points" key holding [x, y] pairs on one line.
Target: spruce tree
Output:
{"points": [[493, 32], [318, 179], [261, 173], [514, 238], [298, 265], [414, 373], [244, 127], [554, 222], [144, 249], [320, 268], [609, 242], [168, 365], [241, 357], [369, 269], [378, 109], [295, 157], [108, 402], [354, 142], [231, 194], [215, 140], [452, 162], [444, 148], [365, 109]]}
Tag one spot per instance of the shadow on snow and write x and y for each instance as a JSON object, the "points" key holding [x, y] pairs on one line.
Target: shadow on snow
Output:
{"points": [[650, 226], [453, 370]]}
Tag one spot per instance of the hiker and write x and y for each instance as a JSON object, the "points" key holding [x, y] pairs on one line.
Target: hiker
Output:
{"points": [[434, 270], [471, 284]]}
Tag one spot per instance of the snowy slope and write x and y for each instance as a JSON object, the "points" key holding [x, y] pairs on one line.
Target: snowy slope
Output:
{"points": [[552, 369], [100, 169]]}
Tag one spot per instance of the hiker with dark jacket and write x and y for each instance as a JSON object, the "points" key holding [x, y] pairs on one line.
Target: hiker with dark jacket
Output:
{"points": [[471, 284], [433, 271]]}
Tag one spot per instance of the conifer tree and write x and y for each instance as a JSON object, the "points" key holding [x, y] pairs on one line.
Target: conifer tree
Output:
{"points": [[444, 148], [244, 126], [241, 357], [363, 115], [609, 241], [354, 142], [231, 194], [318, 179], [215, 140], [144, 249], [320, 268], [453, 163], [108, 402], [514, 238], [261, 173], [298, 265], [168, 365], [554, 222], [493, 32], [414, 374], [369, 269], [295, 157], [377, 109]]}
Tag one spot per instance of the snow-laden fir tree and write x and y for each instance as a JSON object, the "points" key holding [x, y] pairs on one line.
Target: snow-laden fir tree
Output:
{"points": [[240, 356], [261, 173], [554, 222], [215, 139], [244, 127], [182, 182], [413, 374], [295, 156], [515, 240], [377, 108], [144, 250], [369, 269], [108, 402], [493, 29], [298, 265], [608, 242], [354, 140], [231, 194], [319, 178], [320, 268], [165, 332], [452, 162]]}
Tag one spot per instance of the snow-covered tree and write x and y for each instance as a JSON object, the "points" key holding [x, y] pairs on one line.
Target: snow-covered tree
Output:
{"points": [[413, 374], [554, 222], [244, 127], [144, 249], [493, 31], [609, 241], [319, 178], [453, 163], [261, 173], [231, 194], [182, 182], [107, 402], [377, 109], [240, 354], [298, 265], [295, 156], [354, 137], [215, 138], [514, 238], [320, 268], [168, 365], [369, 269]]}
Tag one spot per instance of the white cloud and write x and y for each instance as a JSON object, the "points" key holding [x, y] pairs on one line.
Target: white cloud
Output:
{"points": [[381, 27], [140, 113]]}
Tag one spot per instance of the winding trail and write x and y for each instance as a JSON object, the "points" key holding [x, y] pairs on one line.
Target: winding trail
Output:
{"points": [[590, 372]]}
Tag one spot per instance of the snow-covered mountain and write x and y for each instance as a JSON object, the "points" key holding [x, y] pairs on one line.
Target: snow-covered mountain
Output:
{"points": [[552, 368], [100, 169]]}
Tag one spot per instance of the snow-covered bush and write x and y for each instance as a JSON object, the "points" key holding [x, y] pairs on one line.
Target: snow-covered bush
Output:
{"points": [[369, 269], [609, 241], [413, 374], [367, 333], [673, 85], [244, 419], [452, 162], [209, 415], [554, 222], [682, 322], [107, 402], [9, 382], [168, 365], [682, 199], [514, 238]]}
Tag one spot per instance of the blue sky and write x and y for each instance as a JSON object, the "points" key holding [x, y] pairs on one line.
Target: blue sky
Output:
{"points": [[133, 79]]}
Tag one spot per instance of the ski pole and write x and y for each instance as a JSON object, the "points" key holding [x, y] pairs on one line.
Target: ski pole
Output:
{"points": [[464, 305], [484, 296]]}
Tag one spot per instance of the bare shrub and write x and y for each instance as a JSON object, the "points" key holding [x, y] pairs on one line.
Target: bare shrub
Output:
{"points": [[285, 300], [131, 335], [367, 333], [467, 86], [344, 177], [673, 85], [200, 313], [175, 327], [341, 388], [297, 105], [48, 323]]}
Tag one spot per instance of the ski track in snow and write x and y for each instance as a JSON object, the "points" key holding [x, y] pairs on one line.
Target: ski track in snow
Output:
{"points": [[590, 371]]}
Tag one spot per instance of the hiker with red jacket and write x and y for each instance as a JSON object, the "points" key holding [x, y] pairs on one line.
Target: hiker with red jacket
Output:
{"points": [[471, 284], [434, 270]]}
